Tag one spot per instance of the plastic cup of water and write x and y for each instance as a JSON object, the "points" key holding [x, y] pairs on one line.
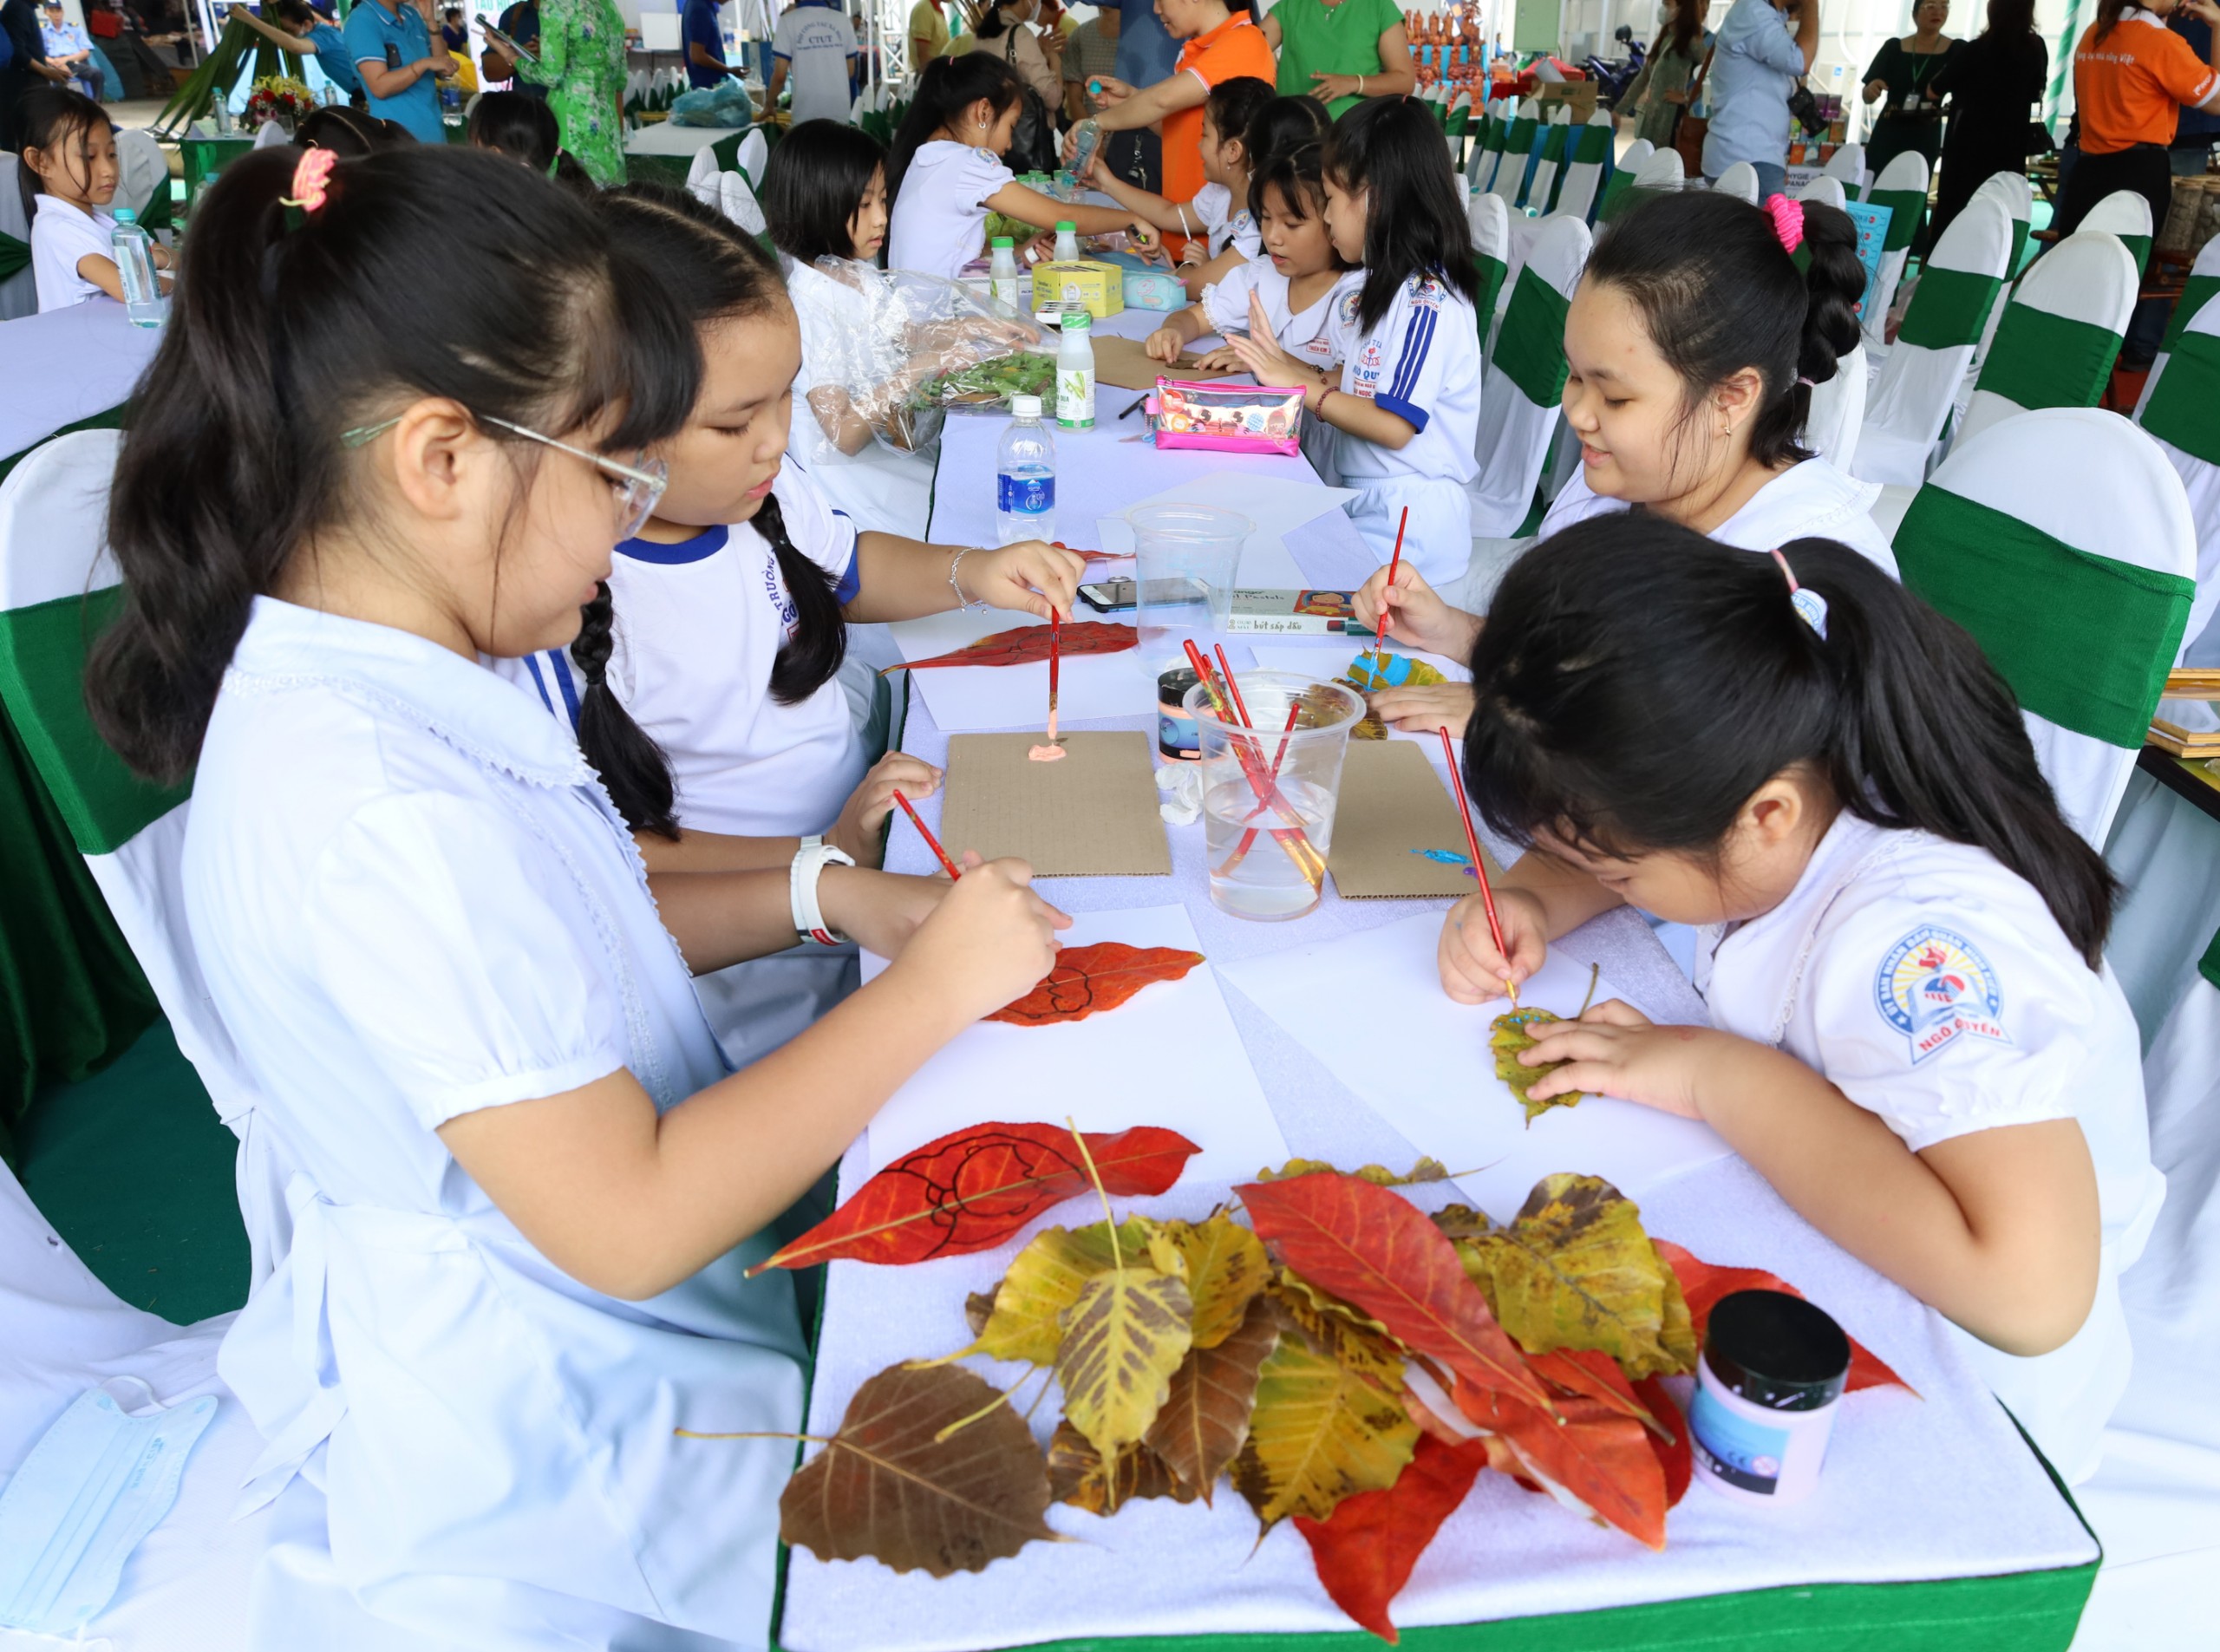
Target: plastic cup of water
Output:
{"points": [[1268, 792], [1186, 558]]}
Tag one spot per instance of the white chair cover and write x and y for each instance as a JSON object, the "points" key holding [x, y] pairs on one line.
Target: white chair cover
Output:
{"points": [[1621, 176], [1490, 218], [1848, 164], [1588, 162], [704, 180], [1826, 190], [1919, 382], [2126, 214], [754, 149], [1515, 432], [2011, 191], [1519, 233], [271, 135], [53, 548], [1662, 171], [1544, 184], [2201, 481], [1837, 414], [2089, 276], [143, 167], [1907, 172], [2092, 480], [19, 292], [1741, 179], [737, 201], [2203, 279]]}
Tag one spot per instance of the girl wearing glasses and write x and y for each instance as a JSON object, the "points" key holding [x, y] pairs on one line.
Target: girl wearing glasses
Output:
{"points": [[525, 1184]]}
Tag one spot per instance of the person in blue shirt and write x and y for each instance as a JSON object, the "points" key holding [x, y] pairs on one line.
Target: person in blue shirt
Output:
{"points": [[701, 33], [1146, 53], [304, 32], [391, 49], [1754, 67]]}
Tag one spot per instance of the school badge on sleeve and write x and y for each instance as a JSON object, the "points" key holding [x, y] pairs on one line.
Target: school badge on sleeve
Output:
{"points": [[1936, 986]]}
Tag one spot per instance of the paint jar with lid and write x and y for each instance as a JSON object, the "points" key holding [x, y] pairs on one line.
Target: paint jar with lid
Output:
{"points": [[1177, 737], [1772, 1370]]}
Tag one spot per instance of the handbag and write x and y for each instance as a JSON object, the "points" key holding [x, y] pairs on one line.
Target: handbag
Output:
{"points": [[1687, 138], [1032, 141]]}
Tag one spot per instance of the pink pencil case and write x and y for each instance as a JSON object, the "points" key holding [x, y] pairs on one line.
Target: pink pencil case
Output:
{"points": [[1231, 418]]}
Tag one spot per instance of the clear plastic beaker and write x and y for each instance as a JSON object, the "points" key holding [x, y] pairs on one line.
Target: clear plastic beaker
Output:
{"points": [[1270, 789], [1186, 558]]}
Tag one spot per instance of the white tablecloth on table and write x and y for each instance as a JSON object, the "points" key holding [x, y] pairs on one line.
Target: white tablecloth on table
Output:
{"points": [[668, 138], [65, 365]]}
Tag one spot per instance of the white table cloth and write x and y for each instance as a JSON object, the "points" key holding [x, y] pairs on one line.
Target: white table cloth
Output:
{"points": [[65, 365]]}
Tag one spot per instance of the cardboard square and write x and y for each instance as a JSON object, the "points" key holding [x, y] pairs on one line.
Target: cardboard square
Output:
{"points": [[1123, 362], [1393, 804], [1093, 814]]}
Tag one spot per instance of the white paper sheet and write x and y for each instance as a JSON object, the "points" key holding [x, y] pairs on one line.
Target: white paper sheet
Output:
{"points": [[1370, 1006], [1330, 659], [969, 698], [1169, 1055]]}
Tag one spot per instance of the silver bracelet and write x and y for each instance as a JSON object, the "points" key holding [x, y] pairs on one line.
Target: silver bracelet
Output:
{"points": [[963, 603], [1360, 86]]}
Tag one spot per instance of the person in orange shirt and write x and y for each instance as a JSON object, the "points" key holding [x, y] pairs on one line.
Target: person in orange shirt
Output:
{"points": [[1221, 44], [2132, 77]]}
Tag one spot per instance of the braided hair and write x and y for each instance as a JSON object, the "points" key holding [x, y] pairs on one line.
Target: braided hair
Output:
{"points": [[632, 766]]}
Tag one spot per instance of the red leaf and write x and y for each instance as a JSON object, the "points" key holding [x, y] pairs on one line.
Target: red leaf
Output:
{"points": [[1089, 979], [1596, 1377], [1373, 1248], [1364, 1554], [1028, 644], [1601, 1458], [1703, 1284], [1673, 1455], [972, 1189]]}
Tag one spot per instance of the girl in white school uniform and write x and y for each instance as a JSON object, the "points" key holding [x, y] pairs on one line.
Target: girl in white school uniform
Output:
{"points": [[68, 177], [526, 1184], [946, 172], [704, 683], [1917, 1041], [1405, 404]]}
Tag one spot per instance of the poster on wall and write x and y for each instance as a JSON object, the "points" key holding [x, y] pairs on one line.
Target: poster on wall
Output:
{"points": [[1872, 224]]}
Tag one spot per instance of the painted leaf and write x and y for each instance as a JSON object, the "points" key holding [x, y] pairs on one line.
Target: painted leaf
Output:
{"points": [[1372, 1248], [1205, 1415], [1365, 1553], [1224, 1266], [1588, 1457], [1076, 1475], [1508, 1038], [1123, 1339], [1335, 1327], [1705, 1284], [1025, 1320], [971, 1189], [1090, 979], [1575, 1270], [1671, 1449], [1378, 669], [1028, 644], [1319, 1433], [886, 1489], [1426, 1169]]}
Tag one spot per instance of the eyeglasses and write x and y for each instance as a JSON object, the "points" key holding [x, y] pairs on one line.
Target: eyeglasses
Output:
{"points": [[644, 481]]}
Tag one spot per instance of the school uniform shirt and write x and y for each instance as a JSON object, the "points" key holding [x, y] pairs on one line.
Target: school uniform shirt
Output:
{"points": [[2133, 85], [939, 222], [411, 900], [62, 235], [1214, 209], [1809, 501], [1932, 987], [879, 488], [1308, 335], [1421, 362], [369, 29], [816, 40]]}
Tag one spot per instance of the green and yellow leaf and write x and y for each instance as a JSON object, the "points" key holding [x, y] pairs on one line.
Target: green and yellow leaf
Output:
{"points": [[1340, 1330], [1426, 1169], [1025, 1321], [1123, 1339], [1224, 1266], [1509, 1039], [1320, 1432]]}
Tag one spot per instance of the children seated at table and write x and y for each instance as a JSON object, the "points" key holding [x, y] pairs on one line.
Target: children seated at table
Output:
{"points": [[1218, 221], [702, 685], [1900, 938], [526, 1182], [67, 176], [1404, 407], [946, 172]]}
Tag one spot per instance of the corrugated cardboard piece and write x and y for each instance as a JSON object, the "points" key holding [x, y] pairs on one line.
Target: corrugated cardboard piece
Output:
{"points": [[1093, 814], [1393, 804], [1123, 362]]}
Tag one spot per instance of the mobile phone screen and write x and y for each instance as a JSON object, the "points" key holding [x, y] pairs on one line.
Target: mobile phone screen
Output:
{"points": [[1110, 596]]}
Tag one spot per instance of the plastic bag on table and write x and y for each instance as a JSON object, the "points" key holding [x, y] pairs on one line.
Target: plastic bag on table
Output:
{"points": [[725, 104]]}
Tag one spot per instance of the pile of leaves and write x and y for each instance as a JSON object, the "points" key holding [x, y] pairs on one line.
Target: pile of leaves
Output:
{"points": [[1342, 1360], [1024, 372]]}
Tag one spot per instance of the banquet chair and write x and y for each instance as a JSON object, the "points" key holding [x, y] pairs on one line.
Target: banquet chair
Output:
{"points": [[2061, 333], [1519, 231], [2203, 282], [1847, 164], [1518, 147], [1491, 222], [1521, 394], [1661, 174], [737, 201], [2178, 415], [1487, 160], [2011, 191], [750, 156], [2062, 541], [1740, 179], [2126, 214], [18, 286], [1617, 188], [271, 135], [1837, 418], [1902, 187], [58, 586], [141, 170], [1918, 385], [1549, 158], [704, 178], [1588, 162], [1827, 191]]}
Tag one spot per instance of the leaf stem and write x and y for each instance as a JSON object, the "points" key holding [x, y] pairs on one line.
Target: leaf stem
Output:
{"points": [[1595, 974], [1109, 1220]]}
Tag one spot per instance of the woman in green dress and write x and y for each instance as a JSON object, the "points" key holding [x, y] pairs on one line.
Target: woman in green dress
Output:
{"points": [[582, 65], [1340, 51]]}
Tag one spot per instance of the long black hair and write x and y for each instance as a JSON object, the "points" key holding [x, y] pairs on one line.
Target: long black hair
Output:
{"points": [[1636, 682], [289, 329], [51, 119], [1717, 292], [2011, 19], [526, 129], [948, 86], [1299, 176], [817, 178], [1414, 222], [1686, 26], [348, 132], [1282, 123], [1233, 103]]}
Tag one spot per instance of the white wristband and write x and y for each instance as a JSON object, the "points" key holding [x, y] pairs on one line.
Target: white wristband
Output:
{"points": [[809, 863]]}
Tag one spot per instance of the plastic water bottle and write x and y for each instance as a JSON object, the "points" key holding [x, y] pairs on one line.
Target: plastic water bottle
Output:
{"points": [[450, 103], [1076, 372], [1002, 272], [135, 261], [1083, 147], [1067, 242], [1025, 473]]}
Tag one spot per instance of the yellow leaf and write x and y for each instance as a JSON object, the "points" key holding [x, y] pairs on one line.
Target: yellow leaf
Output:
{"points": [[1319, 1433], [1340, 1330], [1509, 1039], [1123, 1339], [1426, 1169], [1224, 1266], [1026, 1319]]}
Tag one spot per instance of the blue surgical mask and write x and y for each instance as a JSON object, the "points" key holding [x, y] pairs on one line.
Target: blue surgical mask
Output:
{"points": [[93, 1486]]}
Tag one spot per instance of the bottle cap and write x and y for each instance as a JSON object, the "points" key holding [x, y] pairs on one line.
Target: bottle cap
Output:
{"points": [[1066, 223], [1776, 1351], [1077, 319], [124, 215], [1025, 406], [1002, 240]]}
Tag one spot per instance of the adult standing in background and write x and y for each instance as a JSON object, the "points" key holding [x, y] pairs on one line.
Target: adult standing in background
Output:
{"points": [[392, 50], [814, 46], [929, 35], [701, 33], [1091, 54], [1992, 83], [1146, 53], [521, 23], [2132, 76], [299, 28], [1902, 79], [1220, 45], [582, 65], [1658, 95], [1340, 51], [1006, 30], [1754, 67]]}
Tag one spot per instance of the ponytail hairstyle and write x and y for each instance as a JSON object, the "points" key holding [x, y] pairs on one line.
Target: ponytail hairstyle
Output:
{"points": [[293, 327], [1717, 292], [526, 129], [59, 122], [1232, 104], [815, 180], [1414, 222], [948, 86], [1636, 682], [1299, 176], [1284, 123], [717, 273]]}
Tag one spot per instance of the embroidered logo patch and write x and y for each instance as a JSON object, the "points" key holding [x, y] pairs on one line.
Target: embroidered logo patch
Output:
{"points": [[1936, 986], [1349, 301], [1367, 380]]}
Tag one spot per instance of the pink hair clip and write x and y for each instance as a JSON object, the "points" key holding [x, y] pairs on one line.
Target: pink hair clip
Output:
{"points": [[1787, 221], [310, 175]]}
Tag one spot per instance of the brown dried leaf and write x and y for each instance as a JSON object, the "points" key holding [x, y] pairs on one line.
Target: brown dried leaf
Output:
{"points": [[1075, 1475], [1340, 1330], [976, 1309], [1205, 1416], [1426, 1169], [1462, 1222]]}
